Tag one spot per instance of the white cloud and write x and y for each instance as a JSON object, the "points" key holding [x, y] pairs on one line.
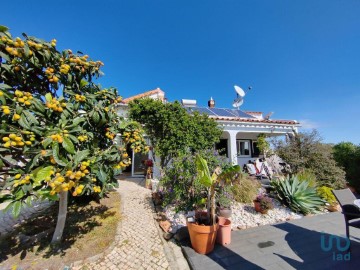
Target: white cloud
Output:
{"points": [[308, 124]]}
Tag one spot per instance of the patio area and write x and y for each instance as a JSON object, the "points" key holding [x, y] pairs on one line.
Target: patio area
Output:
{"points": [[291, 245]]}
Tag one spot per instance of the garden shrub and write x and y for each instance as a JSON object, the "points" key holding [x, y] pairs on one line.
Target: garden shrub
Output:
{"points": [[325, 193], [245, 189], [306, 152], [180, 185], [347, 155], [307, 175]]}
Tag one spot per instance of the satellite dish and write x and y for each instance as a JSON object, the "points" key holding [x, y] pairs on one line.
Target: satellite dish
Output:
{"points": [[267, 117], [238, 102], [239, 91]]}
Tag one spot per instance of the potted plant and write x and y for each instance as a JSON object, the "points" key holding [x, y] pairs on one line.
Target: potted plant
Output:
{"points": [[224, 202], [203, 230], [263, 203]]}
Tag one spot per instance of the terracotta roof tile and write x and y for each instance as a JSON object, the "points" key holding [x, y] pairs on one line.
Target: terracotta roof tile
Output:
{"points": [[253, 120], [250, 112], [142, 95]]}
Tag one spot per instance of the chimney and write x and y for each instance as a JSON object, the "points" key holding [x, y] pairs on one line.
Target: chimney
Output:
{"points": [[211, 103]]}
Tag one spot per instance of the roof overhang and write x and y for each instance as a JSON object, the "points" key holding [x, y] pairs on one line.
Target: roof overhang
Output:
{"points": [[270, 128]]}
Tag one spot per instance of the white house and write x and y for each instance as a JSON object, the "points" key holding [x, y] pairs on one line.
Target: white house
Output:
{"points": [[240, 128]]}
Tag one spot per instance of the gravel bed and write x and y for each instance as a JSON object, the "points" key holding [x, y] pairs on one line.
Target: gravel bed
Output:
{"points": [[243, 216]]}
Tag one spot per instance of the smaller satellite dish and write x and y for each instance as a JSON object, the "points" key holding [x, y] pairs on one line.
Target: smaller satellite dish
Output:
{"points": [[238, 102], [239, 90], [267, 117]]}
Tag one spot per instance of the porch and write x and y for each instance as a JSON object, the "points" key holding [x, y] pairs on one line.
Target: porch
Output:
{"points": [[239, 141], [296, 244]]}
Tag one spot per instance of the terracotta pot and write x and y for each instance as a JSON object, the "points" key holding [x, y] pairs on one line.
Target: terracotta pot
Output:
{"points": [[224, 212], [202, 237], [258, 208], [334, 208], [224, 233]]}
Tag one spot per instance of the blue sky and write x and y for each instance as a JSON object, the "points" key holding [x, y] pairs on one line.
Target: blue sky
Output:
{"points": [[302, 58]]}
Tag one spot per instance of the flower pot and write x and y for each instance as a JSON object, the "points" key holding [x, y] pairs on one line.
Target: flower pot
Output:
{"points": [[224, 212], [224, 233], [258, 208], [202, 237], [333, 208]]}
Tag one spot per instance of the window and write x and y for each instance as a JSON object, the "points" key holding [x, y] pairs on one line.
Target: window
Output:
{"points": [[243, 148], [255, 150]]}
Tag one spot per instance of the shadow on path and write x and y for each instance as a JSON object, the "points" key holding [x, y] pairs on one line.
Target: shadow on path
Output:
{"points": [[318, 250]]}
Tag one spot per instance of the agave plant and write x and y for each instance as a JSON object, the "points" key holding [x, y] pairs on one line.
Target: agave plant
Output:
{"points": [[298, 195]]}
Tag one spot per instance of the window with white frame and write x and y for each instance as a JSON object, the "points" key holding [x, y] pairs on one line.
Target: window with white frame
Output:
{"points": [[243, 148]]}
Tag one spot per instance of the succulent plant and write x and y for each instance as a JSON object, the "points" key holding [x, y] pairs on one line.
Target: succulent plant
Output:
{"points": [[298, 195]]}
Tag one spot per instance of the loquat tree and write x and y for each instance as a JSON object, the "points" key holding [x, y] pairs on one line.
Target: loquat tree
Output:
{"points": [[57, 127]]}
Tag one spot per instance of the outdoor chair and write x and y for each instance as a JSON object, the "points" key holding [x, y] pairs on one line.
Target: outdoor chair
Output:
{"points": [[261, 177], [350, 211]]}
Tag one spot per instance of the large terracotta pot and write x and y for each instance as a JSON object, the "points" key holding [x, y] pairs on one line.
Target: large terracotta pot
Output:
{"points": [[202, 237], [224, 233]]}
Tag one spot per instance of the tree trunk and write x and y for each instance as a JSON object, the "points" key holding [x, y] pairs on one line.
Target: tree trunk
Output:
{"points": [[61, 217], [212, 207]]}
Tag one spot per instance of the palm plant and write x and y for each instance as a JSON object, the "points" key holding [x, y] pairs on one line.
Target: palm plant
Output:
{"points": [[299, 196], [218, 177]]}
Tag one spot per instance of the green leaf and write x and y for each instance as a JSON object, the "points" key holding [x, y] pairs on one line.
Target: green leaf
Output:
{"points": [[56, 154], [5, 86], [46, 142], [76, 122], [46, 194], [9, 160], [2, 99], [31, 118], [73, 138], [38, 105], [5, 56], [81, 155], [23, 122], [43, 173], [95, 117], [83, 83], [203, 171], [48, 97], [33, 162], [68, 145], [16, 208], [102, 176], [3, 28], [5, 198]]}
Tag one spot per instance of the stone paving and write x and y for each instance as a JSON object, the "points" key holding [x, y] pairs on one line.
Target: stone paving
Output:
{"points": [[291, 245], [7, 221], [138, 244]]}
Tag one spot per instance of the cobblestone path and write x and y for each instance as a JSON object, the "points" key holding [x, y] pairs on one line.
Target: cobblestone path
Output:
{"points": [[137, 244]]}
